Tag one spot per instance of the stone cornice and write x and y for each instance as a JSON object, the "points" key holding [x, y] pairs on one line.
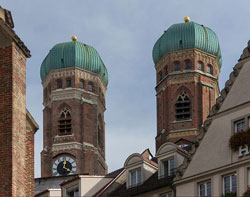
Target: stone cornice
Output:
{"points": [[77, 72], [66, 146], [176, 55]]}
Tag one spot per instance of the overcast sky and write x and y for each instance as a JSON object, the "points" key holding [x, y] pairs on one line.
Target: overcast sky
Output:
{"points": [[124, 33]]}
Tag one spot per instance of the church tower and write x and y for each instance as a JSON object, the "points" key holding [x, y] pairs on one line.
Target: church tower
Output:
{"points": [[187, 60], [74, 81]]}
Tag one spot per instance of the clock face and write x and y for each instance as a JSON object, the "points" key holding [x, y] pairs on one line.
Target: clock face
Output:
{"points": [[64, 166]]}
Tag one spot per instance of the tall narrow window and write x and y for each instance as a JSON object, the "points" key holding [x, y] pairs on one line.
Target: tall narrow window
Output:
{"points": [[160, 76], [68, 83], [182, 107], [200, 66], [166, 70], [100, 132], [59, 84], [229, 184], [81, 84], [135, 177], [205, 189], [64, 122], [167, 167], [90, 87], [210, 69], [187, 64], [176, 66]]}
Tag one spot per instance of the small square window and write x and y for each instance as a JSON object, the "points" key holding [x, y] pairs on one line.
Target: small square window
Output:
{"points": [[68, 83], [135, 177], [229, 184], [205, 189], [239, 125]]}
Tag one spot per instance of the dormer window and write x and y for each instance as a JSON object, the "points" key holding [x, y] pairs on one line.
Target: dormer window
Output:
{"points": [[135, 177], [167, 167]]}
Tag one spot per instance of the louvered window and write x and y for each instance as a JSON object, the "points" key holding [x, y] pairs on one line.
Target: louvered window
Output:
{"points": [[64, 122], [182, 107]]}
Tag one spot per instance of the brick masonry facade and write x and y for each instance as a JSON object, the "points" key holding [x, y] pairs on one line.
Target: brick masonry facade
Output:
{"points": [[87, 114], [200, 86]]}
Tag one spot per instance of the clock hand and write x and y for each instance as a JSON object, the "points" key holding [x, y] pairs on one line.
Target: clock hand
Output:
{"points": [[69, 170], [64, 163]]}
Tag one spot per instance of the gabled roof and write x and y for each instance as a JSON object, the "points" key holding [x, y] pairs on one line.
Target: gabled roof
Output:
{"points": [[215, 109], [152, 183]]}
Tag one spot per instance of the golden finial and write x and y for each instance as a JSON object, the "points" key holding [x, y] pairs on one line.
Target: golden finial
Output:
{"points": [[74, 38], [186, 19]]}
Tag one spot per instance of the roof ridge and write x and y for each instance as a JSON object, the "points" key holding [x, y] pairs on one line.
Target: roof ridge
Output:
{"points": [[219, 101]]}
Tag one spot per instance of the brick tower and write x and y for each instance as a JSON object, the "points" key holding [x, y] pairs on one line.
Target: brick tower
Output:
{"points": [[17, 127], [187, 60], [74, 81]]}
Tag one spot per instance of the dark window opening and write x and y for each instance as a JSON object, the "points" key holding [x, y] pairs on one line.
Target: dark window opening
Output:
{"points": [[166, 70], [68, 83], [90, 87], [160, 76], [182, 107], [200, 66], [64, 122], [210, 69], [59, 84], [176, 66], [187, 64], [81, 84]]}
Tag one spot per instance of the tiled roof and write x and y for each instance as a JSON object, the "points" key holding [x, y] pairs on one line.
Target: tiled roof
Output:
{"points": [[152, 183]]}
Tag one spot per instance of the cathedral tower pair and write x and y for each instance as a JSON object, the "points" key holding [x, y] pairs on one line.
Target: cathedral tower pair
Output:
{"points": [[74, 81], [187, 60]]}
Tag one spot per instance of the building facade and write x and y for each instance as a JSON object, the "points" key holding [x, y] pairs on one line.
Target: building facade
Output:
{"points": [[17, 126], [74, 82], [187, 60]]}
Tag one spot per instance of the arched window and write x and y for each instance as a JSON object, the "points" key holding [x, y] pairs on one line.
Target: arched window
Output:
{"points": [[166, 70], [100, 137], [200, 66], [64, 122], [68, 83], [176, 66], [81, 84], [187, 64], [90, 87], [210, 69], [182, 107], [160, 76], [59, 83]]}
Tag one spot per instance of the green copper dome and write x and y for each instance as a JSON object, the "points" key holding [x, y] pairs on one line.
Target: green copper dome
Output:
{"points": [[74, 54], [187, 35]]}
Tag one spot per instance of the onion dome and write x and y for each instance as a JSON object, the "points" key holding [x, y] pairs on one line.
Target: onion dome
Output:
{"points": [[74, 54], [188, 35]]}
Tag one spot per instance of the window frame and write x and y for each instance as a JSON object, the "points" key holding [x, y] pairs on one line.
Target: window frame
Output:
{"points": [[168, 194], [230, 182], [211, 72], [176, 63], [182, 107], [186, 63], [65, 123], [239, 122], [81, 84], [72, 189], [59, 81], [90, 84], [205, 183], [68, 83], [137, 181], [170, 171], [200, 63]]}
